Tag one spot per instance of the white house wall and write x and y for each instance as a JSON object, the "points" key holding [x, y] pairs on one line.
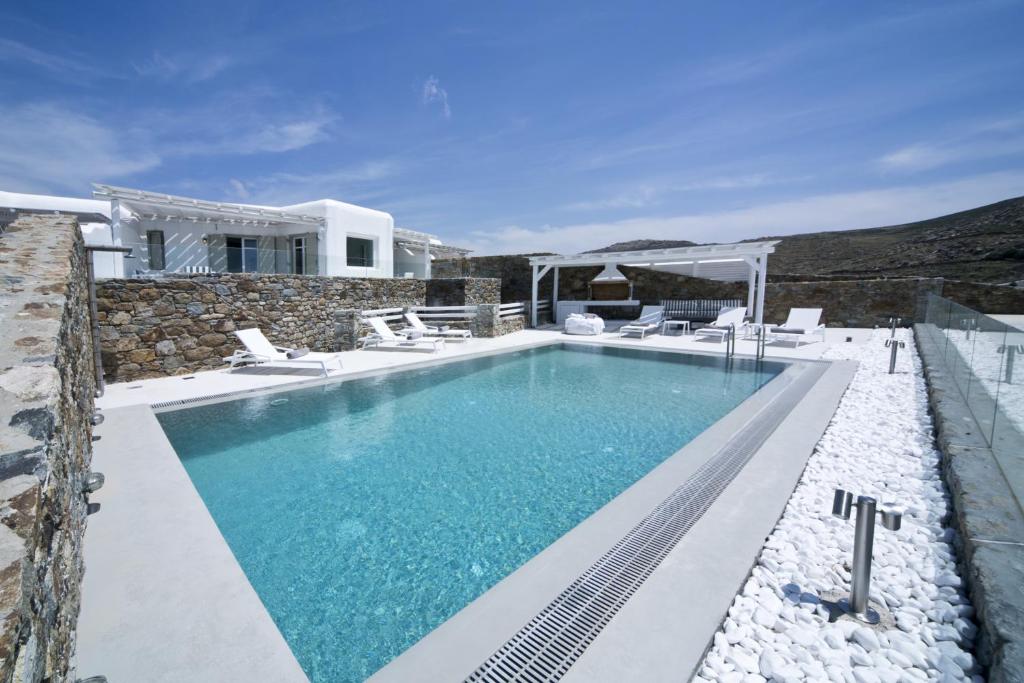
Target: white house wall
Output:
{"points": [[347, 220]]}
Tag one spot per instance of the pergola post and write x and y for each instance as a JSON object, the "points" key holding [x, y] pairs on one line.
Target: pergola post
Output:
{"points": [[533, 299], [762, 275], [533, 302], [117, 238], [426, 259], [751, 278], [554, 295]]}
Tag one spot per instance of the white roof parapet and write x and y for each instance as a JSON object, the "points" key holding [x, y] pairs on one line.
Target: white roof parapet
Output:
{"points": [[652, 257], [244, 211]]}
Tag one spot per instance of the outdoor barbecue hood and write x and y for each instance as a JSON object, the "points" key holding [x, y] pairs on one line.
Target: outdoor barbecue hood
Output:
{"points": [[610, 274], [611, 285]]}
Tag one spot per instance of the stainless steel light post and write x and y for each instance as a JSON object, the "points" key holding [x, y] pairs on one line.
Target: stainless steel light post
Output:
{"points": [[895, 345], [893, 324], [1010, 350], [863, 542]]}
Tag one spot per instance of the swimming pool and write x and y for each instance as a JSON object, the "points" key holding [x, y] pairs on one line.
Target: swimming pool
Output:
{"points": [[366, 513]]}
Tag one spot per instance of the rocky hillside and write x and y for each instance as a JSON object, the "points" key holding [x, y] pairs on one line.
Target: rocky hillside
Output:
{"points": [[982, 245]]}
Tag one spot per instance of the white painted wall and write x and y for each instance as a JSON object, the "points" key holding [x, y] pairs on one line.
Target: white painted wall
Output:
{"points": [[344, 220]]}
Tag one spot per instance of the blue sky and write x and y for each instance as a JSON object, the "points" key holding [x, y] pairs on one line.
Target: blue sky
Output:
{"points": [[518, 127]]}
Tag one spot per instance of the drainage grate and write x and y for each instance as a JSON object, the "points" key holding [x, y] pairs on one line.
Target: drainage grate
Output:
{"points": [[187, 401], [551, 642]]}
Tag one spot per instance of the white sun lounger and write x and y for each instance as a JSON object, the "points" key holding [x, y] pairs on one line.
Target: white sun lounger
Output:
{"points": [[383, 337], [430, 331], [802, 324], [650, 320], [259, 351], [727, 318]]}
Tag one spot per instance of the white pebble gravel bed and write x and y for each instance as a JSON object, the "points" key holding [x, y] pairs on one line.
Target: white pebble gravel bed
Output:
{"points": [[879, 443]]}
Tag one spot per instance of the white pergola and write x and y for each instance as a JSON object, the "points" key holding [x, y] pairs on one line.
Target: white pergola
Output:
{"points": [[723, 262]]}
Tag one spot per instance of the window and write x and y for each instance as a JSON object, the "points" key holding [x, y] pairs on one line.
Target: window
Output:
{"points": [[242, 254], [157, 256], [299, 255], [360, 252]]}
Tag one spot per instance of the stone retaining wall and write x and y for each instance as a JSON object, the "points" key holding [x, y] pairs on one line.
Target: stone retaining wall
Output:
{"points": [[153, 328], [847, 303], [463, 291], [46, 403]]}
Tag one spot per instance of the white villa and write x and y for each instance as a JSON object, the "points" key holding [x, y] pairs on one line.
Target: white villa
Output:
{"points": [[172, 234]]}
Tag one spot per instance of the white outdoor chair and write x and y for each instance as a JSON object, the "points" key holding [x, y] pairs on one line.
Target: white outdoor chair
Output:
{"points": [[802, 324], [383, 337], [728, 319], [431, 331], [259, 351], [650, 320]]}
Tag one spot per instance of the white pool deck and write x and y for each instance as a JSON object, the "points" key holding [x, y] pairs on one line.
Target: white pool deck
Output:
{"points": [[165, 600]]}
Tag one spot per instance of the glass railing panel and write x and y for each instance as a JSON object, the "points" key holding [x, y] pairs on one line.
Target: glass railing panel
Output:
{"points": [[985, 372], [1008, 428]]}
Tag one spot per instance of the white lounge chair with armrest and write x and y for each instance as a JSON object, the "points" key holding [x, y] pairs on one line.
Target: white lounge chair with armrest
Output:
{"points": [[259, 351], [650, 320], [384, 337], [802, 324], [431, 331], [728, 318]]}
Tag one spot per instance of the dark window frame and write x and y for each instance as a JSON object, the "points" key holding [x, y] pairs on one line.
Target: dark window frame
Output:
{"points": [[299, 255], [157, 251], [242, 249], [360, 258]]}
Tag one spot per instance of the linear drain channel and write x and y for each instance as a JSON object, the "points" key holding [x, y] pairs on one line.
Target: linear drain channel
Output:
{"points": [[188, 401], [551, 642]]}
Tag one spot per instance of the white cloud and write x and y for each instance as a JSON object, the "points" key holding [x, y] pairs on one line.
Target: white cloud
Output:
{"points": [[837, 211], [216, 129], [433, 92], [650, 195], [45, 147], [238, 188], [283, 137], [629, 200], [69, 68], [189, 68], [1004, 137], [347, 183]]}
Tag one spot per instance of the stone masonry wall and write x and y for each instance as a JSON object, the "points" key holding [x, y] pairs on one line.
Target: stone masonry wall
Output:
{"points": [[46, 403], [463, 291], [846, 303], [153, 328]]}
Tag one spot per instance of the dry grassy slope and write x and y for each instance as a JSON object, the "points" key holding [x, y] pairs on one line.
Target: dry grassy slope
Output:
{"points": [[983, 245]]}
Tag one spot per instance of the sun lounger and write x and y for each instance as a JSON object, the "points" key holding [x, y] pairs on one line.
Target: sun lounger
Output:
{"points": [[384, 337], [650, 320], [728, 319], [431, 331], [259, 351], [802, 324]]}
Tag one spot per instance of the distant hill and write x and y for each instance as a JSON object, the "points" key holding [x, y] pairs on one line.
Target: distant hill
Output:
{"points": [[982, 245]]}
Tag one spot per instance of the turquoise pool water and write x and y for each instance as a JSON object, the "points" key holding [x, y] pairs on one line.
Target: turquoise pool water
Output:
{"points": [[366, 513]]}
